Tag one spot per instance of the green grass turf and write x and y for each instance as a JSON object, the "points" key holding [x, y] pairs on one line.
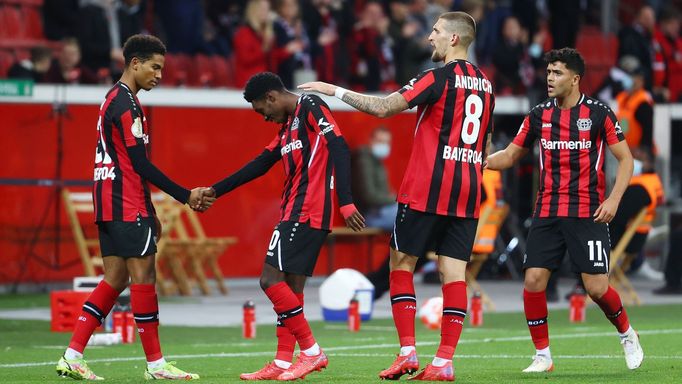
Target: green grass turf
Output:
{"points": [[495, 352]]}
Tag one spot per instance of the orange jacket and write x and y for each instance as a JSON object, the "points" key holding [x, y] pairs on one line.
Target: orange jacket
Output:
{"points": [[627, 105], [492, 184], [652, 183]]}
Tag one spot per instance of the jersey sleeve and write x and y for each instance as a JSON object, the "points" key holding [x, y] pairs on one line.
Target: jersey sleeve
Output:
{"points": [[131, 125], [525, 137], [612, 130], [422, 89]]}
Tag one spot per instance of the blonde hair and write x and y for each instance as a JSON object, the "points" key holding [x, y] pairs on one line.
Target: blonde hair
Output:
{"points": [[265, 29], [461, 24]]}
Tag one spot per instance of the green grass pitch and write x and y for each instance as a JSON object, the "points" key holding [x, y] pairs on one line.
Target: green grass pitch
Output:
{"points": [[494, 353]]}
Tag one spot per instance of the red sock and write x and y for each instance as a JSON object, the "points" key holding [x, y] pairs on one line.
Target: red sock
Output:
{"points": [[535, 306], [403, 305], [145, 307], [454, 311], [290, 312], [613, 309], [95, 309], [286, 341]]}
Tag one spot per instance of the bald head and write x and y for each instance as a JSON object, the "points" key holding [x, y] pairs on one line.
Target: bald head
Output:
{"points": [[461, 24]]}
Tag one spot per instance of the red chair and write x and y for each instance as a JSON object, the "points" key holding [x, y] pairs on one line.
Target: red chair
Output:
{"points": [[34, 22], [6, 61], [202, 73], [223, 71], [175, 71], [11, 20]]}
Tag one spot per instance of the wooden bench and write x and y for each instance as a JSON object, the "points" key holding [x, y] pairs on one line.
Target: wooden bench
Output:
{"points": [[620, 262], [344, 233], [80, 203]]}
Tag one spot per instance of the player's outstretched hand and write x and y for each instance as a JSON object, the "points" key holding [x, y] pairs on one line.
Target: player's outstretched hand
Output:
{"points": [[318, 86], [606, 211], [354, 220]]}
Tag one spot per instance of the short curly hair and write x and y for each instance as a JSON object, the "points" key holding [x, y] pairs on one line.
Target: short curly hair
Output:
{"points": [[143, 47], [260, 83], [570, 57]]}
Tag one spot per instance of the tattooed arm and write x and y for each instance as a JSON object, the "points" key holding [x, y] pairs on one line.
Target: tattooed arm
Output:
{"points": [[374, 105]]}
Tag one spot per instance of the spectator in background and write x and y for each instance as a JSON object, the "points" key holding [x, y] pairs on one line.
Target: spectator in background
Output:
{"points": [[635, 106], [34, 68], [410, 48], [475, 8], [673, 266], [667, 65], [511, 60], [328, 23], [564, 22], [67, 68], [373, 66], [253, 42], [293, 46], [182, 23], [435, 8], [60, 19], [636, 40], [99, 38]]}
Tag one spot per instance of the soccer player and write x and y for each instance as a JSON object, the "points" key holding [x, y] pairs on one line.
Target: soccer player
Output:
{"points": [[316, 161], [125, 216], [439, 198], [571, 212]]}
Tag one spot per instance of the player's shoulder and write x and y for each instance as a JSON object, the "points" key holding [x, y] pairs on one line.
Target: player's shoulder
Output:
{"points": [[539, 108], [596, 106], [312, 101], [122, 100]]}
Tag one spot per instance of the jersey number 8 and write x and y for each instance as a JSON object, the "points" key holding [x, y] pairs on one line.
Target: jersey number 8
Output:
{"points": [[472, 119]]}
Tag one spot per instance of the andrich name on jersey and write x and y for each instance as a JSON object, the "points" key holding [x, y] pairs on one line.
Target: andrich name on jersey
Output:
{"points": [[462, 154], [565, 144], [291, 146], [474, 83]]}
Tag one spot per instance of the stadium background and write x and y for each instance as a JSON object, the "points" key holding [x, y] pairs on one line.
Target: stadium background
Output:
{"points": [[201, 130]]}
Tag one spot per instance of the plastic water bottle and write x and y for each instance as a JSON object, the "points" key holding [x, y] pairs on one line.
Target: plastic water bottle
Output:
{"points": [[576, 314], [476, 319], [354, 315], [249, 324]]}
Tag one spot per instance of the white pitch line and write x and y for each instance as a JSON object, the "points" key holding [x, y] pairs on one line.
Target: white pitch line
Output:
{"points": [[380, 346], [578, 357]]}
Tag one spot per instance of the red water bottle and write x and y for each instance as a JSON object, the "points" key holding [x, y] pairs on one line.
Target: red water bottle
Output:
{"points": [[576, 313], [476, 318], [130, 328], [354, 315], [249, 325]]}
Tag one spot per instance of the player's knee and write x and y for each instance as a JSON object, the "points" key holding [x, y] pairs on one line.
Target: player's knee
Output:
{"points": [[534, 282], [266, 282], [596, 290]]}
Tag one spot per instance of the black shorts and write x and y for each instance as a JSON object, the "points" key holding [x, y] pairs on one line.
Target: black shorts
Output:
{"points": [[294, 247], [416, 233], [587, 242], [128, 238]]}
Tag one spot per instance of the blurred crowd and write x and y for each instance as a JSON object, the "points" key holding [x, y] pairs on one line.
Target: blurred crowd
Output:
{"points": [[367, 45]]}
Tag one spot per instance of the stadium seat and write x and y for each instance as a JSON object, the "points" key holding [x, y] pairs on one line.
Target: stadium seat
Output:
{"points": [[33, 22], [6, 61], [11, 21], [202, 73], [184, 242], [223, 71], [599, 51], [75, 204], [175, 72]]}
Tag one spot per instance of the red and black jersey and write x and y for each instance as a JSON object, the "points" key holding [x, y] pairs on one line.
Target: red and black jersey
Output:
{"points": [[454, 116], [120, 193], [302, 144], [571, 143]]}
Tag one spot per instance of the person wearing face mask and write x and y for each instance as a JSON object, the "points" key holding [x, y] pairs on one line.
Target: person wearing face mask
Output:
{"points": [[635, 106]]}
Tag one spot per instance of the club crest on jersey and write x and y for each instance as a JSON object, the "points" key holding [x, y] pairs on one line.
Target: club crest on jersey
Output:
{"points": [[294, 124], [136, 128], [584, 124]]}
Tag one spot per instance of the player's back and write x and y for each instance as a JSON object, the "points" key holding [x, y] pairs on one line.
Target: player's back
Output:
{"points": [[455, 106], [119, 193]]}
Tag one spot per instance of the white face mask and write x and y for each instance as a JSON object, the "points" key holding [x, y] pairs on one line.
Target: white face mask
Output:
{"points": [[636, 167], [381, 150], [627, 83]]}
